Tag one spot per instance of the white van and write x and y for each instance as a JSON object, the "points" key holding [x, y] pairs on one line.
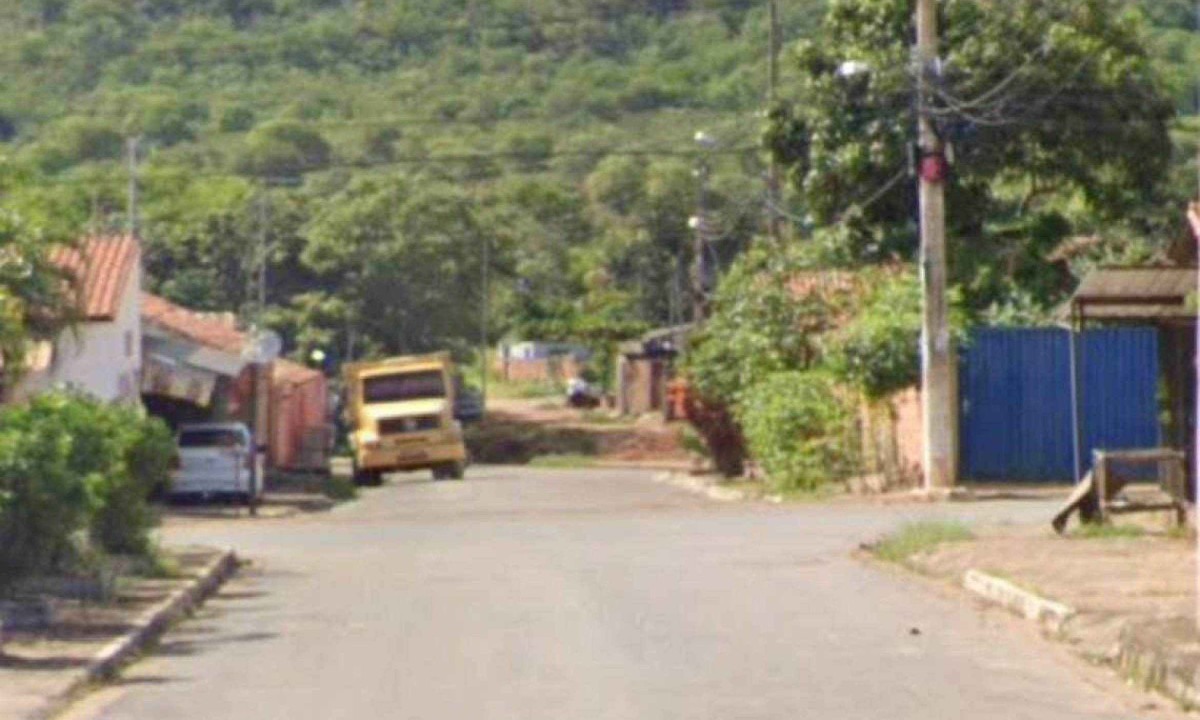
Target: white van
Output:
{"points": [[217, 460]]}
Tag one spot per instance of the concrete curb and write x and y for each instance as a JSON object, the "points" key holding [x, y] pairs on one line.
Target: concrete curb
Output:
{"points": [[1146, 660], [147, 628], [1050, 614], [699, 485]]}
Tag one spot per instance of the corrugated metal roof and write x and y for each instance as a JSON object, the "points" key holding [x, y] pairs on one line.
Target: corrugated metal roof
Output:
{"points": [[1131, 293], [101, 266]]}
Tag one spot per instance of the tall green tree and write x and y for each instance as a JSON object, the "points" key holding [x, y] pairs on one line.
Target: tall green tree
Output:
{"points": [[1049, 106]]}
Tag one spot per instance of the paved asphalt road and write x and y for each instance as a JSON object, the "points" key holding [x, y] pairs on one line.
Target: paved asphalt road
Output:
{"points": [[586, 595]]}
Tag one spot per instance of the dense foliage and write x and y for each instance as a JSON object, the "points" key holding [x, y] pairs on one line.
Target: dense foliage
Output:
{"points": [[799, 429], [559, 135], [369, 150], [1055, 114], [71, 466]]}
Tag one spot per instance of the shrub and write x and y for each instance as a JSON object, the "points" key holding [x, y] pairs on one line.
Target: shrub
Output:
{"points": [[879, 352], [144, 446], [719, 430], [799, 429], [44, 502], [71, 466]]}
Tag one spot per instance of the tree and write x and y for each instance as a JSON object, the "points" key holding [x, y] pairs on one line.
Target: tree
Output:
{"points": [[284, 150], [1049, 105], [36, 301], [406, 255]]}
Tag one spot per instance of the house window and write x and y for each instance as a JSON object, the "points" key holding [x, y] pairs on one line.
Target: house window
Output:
{"points": [[128, 343]]}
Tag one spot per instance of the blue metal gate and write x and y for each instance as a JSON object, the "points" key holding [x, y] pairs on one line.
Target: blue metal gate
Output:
{"points": [[1015, 387]]}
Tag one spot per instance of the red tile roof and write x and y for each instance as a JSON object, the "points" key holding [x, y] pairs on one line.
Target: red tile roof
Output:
{"points": [[102, 268], [208, 329]]}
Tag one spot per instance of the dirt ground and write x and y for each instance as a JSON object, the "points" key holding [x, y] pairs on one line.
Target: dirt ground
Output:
{"points": [[1110, 579], [519, 430], [61, 629]]}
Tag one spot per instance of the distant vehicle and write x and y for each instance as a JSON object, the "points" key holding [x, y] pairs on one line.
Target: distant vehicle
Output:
{"points": [[468, 403], [217, 460], [581, 394], [401, 417]]}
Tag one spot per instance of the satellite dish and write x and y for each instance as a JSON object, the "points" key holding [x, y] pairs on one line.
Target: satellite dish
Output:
{"points": [[262, 346]]}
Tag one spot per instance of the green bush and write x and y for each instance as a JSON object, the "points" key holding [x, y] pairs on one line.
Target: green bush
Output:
{"points": [[144, 446], [879, 353], [799, 429], [44, 501], [72, 468]]}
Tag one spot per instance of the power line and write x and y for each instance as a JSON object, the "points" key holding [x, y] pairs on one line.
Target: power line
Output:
{"points": [[423, 161]]}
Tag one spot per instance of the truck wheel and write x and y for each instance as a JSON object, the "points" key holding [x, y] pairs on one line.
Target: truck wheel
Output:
{"points": [[457, 471], [367, 478]]}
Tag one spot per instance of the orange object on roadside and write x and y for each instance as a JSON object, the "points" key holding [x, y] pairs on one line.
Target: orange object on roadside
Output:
{"points": [[678, 392]]}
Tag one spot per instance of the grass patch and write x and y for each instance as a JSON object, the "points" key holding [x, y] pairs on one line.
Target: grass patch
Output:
{"points": [[1180, 532], [563, 461], [157, 564], [340, 488], [1107, 531], [603, 417], [524, 390], [919, 537]]}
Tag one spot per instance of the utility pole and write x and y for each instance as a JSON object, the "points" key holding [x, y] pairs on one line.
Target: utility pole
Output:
{"points": [[1194, 218], [264, 254], [699, 226], [484, 323], [773, 181], [131, 151], [937, 362]]}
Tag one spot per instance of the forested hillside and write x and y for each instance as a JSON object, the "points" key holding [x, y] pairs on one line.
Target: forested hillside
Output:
{"points": [[372, 148]]}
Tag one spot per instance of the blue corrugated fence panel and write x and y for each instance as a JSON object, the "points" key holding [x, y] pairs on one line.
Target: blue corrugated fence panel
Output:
{"points": [[1015, 384]]}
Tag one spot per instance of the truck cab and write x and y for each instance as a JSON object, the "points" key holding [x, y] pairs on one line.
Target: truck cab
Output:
{"points": [[401, 417]]}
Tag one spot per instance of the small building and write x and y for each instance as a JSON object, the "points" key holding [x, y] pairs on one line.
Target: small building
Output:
{"points": [[195, 370], [645, 367], [1159, 298], [102, 355], [540, 361]]}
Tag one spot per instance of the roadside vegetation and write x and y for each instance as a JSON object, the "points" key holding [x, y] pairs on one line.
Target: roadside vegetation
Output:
{"points": [[1107, 531], [549, 146], [76, 476], [918, 538], [808, 340]]}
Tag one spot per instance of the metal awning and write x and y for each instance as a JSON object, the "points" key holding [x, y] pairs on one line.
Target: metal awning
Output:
{"points": [[162, 375], [191, 353], [1135, 293]]}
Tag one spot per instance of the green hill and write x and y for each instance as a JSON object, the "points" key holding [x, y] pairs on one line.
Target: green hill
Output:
{"points": [[373, 146]]}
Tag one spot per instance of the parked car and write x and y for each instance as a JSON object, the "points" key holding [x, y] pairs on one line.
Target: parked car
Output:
{"points": [[468, 405], [217, 460]]}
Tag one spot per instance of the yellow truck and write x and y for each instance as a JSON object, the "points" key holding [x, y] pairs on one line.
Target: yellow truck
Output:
{"points": [[401, 417]]}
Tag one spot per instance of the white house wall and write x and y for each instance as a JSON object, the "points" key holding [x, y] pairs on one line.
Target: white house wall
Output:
{"points": [[103, 359]]}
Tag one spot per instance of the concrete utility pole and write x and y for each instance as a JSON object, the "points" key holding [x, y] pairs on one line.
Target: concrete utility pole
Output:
{"points": [[131, 151], [484, 322], [937, 360], [1194, 219], [773, 180], [699, 224]]}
